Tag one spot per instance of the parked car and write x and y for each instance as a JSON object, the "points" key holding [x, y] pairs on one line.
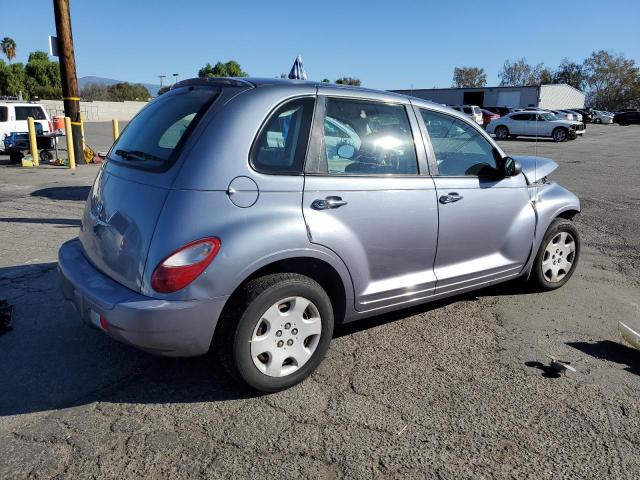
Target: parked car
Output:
{"points": [[577, 115], [471, 111], [502, 111], [201, 233], [564, 115], [623, 110], [602, 117], [627, 118], [13, 118], [587, 114], [487, 116], [535, 124]]}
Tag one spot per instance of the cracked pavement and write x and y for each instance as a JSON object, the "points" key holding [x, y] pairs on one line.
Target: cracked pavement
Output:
{"points": [[454, 389]]}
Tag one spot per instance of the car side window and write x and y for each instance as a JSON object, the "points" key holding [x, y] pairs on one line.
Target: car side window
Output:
{"points": [[460, 149], [22, 113], [520, 116], [4, 114], [368, 138], [282, 143]]}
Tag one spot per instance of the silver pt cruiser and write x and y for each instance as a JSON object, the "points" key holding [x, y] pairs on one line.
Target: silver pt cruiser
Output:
{"points": [[249, 216]]}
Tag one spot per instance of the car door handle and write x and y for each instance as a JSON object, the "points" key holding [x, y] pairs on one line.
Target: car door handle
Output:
{"points": [[328, 202], [450, 197]]}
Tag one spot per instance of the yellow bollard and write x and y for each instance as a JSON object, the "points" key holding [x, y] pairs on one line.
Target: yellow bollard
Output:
{"points": [[33, 144], [84, 145], [116, 129], [70, 152]]}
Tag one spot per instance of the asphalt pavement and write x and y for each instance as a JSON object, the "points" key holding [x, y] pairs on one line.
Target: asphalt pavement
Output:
{"points": [[455, 389]]}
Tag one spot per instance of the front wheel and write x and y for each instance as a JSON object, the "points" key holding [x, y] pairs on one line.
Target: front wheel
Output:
{"points": [[597, 120], [560, 134], [558, 255], [276, 331]]}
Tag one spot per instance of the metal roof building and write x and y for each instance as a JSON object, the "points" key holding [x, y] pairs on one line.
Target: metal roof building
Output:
{"points": [[552, 97]]}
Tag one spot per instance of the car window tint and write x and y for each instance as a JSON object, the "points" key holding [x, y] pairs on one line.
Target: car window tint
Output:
{"points": [[368, 138], [459, 148], [520, 116], [22, 113], [4, 114], [467, 109], [282, 143]]}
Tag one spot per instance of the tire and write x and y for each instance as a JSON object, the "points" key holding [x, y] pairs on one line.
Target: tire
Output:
{"points": [[15, 157], [544, 264], [597, 120], [560, 134], [46, 156], [502, 132], [265, 315]]}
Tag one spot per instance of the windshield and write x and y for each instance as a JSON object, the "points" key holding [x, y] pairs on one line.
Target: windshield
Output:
{"points": [[152, 139], [548, 117]]}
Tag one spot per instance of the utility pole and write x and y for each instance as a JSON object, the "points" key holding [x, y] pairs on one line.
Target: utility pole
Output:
{"points": [[68, 75], [161, 77], [175, 78]]}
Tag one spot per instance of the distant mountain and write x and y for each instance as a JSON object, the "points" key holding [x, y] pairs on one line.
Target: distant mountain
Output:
{"points": [[83, 81]]}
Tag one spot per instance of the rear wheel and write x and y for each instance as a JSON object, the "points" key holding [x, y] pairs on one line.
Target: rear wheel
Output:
{"points": [[560, 134], [558, 255], [276, 331], [597, 120], [502, 132]]}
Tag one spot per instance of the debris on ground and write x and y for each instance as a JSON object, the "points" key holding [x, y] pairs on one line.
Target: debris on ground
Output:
{"points": [[5, 316], [560, 366]]}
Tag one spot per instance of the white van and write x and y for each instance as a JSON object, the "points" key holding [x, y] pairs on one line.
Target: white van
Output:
{"points": [[13, 118]]}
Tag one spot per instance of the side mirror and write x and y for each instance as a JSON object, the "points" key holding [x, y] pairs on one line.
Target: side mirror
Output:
{"points": [[346, 151], [512, 167]]}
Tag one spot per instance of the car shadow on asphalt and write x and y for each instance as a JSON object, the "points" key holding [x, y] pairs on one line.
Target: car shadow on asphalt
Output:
{"points": [[78, 193], [611, 352]]}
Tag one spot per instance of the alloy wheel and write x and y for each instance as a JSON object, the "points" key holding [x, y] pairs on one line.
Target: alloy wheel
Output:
{"points": [[558, 258], [560, 135], [286, 336]]}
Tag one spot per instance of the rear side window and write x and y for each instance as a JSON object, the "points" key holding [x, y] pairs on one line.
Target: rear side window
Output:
{"points": [[153, 139], [368, 138], [4, 114], [281, 145], [36, 112], [520, 116]]}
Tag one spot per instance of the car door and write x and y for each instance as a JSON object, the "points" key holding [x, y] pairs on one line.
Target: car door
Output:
{"points": [[366, 200], [519, 124], [540, 127], [486, 220]]}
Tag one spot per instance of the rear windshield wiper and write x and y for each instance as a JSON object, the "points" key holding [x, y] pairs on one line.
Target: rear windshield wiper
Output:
{"points": [[138, 155]]}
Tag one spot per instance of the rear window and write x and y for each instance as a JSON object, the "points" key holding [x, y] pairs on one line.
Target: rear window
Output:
{"points": [[152, 140], [4, 114], [22, 113]]}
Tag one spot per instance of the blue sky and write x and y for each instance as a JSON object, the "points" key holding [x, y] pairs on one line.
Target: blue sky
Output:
{"points": [[391, 44]]}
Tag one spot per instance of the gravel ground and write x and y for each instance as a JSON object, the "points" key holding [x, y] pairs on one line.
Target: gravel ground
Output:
{"points": [[456, 389]]}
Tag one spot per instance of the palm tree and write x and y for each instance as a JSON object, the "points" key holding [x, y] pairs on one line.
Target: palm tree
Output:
{"points": [[8, 46]]}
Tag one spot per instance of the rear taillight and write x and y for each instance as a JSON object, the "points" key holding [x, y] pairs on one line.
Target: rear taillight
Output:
{"points": [[184, 265]]}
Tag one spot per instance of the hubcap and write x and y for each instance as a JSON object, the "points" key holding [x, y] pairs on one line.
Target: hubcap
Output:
{"points": [[560, 135], [286, 336], [558, 257]]}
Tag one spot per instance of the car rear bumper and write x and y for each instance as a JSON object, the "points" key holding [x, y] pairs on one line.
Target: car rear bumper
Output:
{"points": [[170, 328]]}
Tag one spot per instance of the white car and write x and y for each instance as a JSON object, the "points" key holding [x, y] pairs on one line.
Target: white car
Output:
{"points": [[535, 124], [13, 118], [577, 115], [564, 115], [602, 117], [472, 111]]}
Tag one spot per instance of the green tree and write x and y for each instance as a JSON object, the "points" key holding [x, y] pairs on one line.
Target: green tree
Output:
{"points": [[571, 73], [229, 69], [612, 81], [518, 73], [326, 80], [13, 80], [163, 90], [9, 48], [43, 76], [349, 81], [127, 91], [469, 77]]}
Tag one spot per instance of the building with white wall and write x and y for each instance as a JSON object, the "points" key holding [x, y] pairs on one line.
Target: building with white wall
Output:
{"points": [[552, 97]]}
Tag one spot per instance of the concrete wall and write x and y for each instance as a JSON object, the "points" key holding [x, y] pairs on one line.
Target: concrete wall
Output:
{"points": [[97, 111]]}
